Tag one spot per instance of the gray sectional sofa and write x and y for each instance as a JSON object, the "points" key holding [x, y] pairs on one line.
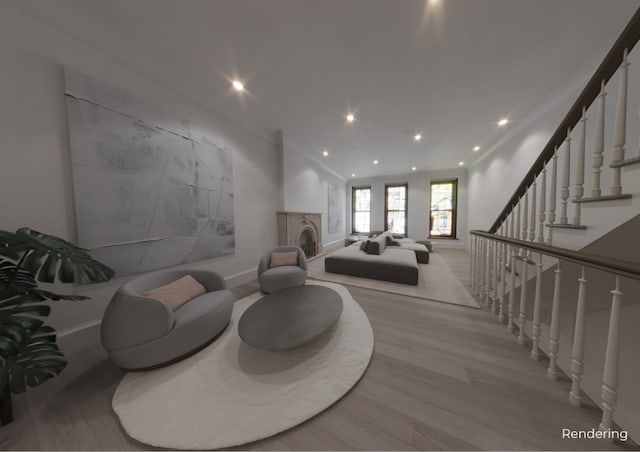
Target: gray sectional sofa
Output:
{"points": [[383, 260]]}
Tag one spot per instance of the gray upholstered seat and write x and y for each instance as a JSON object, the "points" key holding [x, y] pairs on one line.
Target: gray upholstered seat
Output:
{"points": [[140, 332], [278, 278]]}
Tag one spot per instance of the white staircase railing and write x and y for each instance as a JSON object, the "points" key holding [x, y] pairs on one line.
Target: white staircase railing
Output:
{"points": [[488, 264]]}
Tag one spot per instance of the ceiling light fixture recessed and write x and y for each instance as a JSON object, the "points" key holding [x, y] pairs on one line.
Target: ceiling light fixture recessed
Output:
{"points": [[237, 85], [413, 168], [460, 163], [350, 118], [503, 122], [325, 153], [476, 149], [375, 162], [353, 174], [418, 137]]}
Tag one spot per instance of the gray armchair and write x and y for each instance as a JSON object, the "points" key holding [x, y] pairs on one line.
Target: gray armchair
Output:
{"points": [[140, 332], [278, 278]]}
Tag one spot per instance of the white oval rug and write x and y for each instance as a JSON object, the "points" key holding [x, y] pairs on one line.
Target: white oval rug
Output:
{"points": [[230, 393]]}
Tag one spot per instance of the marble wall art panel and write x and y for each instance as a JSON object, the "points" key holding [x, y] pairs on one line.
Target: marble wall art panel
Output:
{"points": [[149, 190], [337, 205]]}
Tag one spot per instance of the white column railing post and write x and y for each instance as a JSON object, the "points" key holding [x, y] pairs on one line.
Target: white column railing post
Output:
{"points": [[579, 190], [525, 216], [487, 275], [554, 335], [537, 306], [577, 354], [522, 320], [494, 264], [518, 230], [543, 205], [566, 175], [472, 240], [611, 361], [596, 191], [553, 193], [503, 257], [481, 262], [532, 218], [512, 289], [478, 265], [620, 128], [512, 235]]}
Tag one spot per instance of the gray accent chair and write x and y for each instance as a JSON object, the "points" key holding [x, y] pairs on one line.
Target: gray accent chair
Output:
{"points": [[140, 332], [278, 278]]}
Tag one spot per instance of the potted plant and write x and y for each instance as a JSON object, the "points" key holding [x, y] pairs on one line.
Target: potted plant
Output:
{"points": [[29, 355]]}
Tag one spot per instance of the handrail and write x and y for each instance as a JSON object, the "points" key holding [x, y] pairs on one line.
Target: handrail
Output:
{"points": [[620, 267], [627, 40]]}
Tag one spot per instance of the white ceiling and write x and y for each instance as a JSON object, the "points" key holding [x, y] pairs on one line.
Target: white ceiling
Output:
{"points": [[446, 68]]}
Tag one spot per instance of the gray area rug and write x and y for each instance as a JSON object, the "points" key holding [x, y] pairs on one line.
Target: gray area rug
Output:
{"points": [[230, 393], [437, 283]]}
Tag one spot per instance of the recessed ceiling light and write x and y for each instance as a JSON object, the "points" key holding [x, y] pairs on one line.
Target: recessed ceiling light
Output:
{"points": [[237, 85], [350, 118], [503, 122], [477, 148], [460, 163], [325, 153], [375, 162], [413, 168], [353, 174], [418, 137]]}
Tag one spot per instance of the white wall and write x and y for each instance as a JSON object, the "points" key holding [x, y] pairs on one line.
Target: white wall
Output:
{"points": [[305, 184], [418, 202], [35, 182]]}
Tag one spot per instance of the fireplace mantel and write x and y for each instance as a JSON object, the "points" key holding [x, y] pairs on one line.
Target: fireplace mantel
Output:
{"points": [[293, 226]]}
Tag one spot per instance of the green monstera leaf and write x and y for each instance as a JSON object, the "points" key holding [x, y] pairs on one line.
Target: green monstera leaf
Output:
{"points": [[37, 360], [47, 257]]}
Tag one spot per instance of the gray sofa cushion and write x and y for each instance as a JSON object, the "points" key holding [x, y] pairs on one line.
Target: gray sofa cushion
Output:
{"points": [[395, 265], [377, 245]]}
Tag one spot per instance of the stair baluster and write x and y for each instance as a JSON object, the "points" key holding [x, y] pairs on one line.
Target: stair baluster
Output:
{"points": [[472, 269], [579, 190], [553, 193], [541, 215], [596, 191], [525, 216], [620, 129], [554, 335], [522, 338], [611, 361], [537, 306], [494, 271], [532, 224], [503, 259], [512, 288], [566, 175], [577, 354]]}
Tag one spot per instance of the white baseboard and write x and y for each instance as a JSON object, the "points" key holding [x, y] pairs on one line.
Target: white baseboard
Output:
{"points": [[332, 245], [449, 244], [242, 277], [79, 336]]}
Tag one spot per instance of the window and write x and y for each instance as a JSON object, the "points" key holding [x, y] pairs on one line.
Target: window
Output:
{"points": [[361, 209], [442, 218], [395, 208]]}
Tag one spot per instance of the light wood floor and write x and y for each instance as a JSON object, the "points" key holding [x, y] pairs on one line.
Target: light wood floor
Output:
{"points": [[442, 377]]}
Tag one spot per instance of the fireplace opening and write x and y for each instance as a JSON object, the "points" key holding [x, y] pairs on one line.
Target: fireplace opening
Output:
{"points": [[307, 243]]}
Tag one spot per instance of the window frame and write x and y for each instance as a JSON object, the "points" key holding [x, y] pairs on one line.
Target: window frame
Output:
{"points": [[454, 209], [353, 208], [406, 206]]}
